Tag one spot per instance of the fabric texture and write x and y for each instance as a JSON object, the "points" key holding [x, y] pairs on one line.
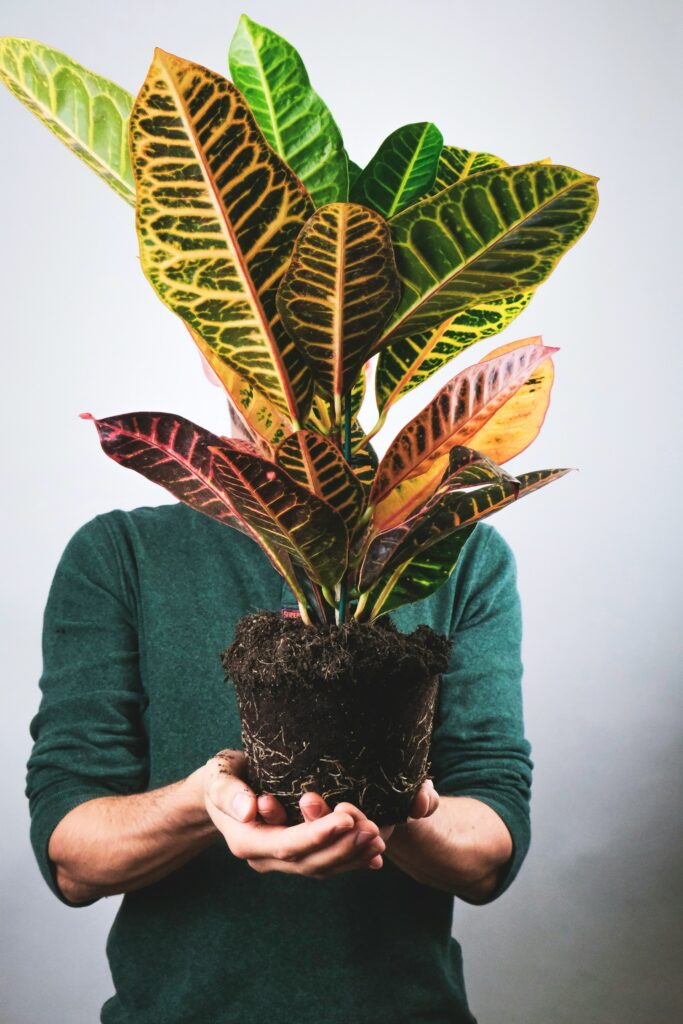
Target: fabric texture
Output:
{"points": [[134, 697]]}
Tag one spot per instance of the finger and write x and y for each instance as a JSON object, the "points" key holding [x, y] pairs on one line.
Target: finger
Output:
{"points": [[271, 810], [433, 799], [225, 786], [419, 806], [351, 853], [341, 857], [294, 841], [313, 806], [362, 822]]}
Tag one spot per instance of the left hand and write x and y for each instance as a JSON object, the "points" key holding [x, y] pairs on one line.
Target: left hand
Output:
{"points": [[312, 805]]}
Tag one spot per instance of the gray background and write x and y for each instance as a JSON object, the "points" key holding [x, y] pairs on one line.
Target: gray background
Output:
{"points": [[590, 932]]}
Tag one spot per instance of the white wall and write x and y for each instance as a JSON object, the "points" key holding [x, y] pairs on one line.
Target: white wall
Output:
{"points": [[588, 932]]}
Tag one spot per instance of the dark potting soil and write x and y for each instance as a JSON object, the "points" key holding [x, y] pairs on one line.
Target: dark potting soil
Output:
{"points": [[346, 711]]}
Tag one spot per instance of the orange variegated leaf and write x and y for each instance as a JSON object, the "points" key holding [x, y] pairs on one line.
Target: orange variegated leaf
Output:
{"points": [[474, 490], [415, 460], [517, 423]]}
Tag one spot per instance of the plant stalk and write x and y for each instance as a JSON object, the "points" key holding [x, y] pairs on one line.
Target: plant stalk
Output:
{"points": [[344, 589]]}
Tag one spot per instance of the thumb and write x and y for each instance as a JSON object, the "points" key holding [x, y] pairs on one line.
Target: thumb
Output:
{"points": [[225, 787]]}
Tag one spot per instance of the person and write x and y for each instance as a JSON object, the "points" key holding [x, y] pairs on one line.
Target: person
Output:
{"points": [[136, 786]]}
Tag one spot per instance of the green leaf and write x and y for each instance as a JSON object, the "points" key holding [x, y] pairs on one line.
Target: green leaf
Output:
{"points": [[217, 215], [279, 510], [402, 169], [455, 164], [497, 233], [86, 112], [179, 456], [411, 361], [354, 171], [295, 121], [338, 292], [314, 461], [473, 489], [419, 577]]}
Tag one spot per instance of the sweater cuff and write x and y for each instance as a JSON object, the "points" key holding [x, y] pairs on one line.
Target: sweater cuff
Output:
{"points": [[44, 821]]}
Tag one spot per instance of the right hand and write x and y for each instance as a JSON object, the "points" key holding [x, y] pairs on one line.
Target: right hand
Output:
{"points": [[255, 829]]}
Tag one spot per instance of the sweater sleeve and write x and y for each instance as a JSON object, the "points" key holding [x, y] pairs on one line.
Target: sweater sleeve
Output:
{"points": [[478, 746], [88, 734]]}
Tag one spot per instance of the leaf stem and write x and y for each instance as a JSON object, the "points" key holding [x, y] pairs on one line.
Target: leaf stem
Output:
{"points": [[371, 433], [344, 588]]}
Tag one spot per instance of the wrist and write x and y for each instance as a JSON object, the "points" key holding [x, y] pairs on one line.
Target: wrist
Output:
{"points": [[411, 832], [193, 800]]}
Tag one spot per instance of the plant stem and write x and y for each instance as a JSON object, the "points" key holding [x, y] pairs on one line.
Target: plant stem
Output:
{"points": [[344, 589], [386, 591], [371, 433], [303, 611], [362, 601]]}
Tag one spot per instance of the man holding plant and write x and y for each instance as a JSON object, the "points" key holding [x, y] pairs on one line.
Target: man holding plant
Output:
{"points": [[292, 269]]}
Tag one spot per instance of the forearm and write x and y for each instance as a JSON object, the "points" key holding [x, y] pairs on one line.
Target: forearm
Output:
{"points": [[459, 849], [118, 844]]}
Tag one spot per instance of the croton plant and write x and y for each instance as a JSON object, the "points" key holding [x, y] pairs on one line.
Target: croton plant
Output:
{"points": [[297, 273]]}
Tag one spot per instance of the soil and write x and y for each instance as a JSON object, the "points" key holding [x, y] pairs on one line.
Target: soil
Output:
{"points": [[346, 711]]}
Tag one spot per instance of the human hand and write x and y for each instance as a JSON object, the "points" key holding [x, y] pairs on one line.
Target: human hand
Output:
{"points": [[424, 803], [327, 844]]}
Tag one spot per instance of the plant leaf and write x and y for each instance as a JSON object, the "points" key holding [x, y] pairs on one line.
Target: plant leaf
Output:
{"points": [[363, 462], [279, 510], [260, 415], [499, 232], [411, 361], [419, 577], [455, 164], [295, 121], [354, 171], [217, 215], [519, 420], [180, 456], [456, 414], [314, 461], [172, 452], [403, 169], [339, 290], [471, 492], [88, 113]]}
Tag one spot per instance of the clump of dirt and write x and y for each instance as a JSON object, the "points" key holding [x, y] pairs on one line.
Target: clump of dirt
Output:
{"points": [[346, 711]]}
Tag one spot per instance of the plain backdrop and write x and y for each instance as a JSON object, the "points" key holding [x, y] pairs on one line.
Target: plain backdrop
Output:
{"points": [[590, 932]]}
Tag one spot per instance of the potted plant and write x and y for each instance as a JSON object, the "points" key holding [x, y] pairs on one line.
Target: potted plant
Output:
{"points": [[295, 272]]}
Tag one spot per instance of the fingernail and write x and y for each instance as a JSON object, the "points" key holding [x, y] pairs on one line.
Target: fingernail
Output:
{"points": [[313, 810], [241, 805], [364, 837], [341, 828]]}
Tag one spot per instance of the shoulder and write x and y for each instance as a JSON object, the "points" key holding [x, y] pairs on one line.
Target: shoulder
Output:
{"points": [[486, 551], [125, 526], [486, 576], [117, 542]]}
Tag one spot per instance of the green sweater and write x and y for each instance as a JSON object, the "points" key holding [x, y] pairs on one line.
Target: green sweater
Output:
{"points": [[133, 698]]}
